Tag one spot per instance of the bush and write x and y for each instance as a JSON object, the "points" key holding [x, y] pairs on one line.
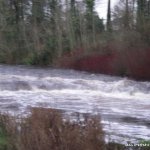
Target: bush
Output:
{"points": [[45, 129]]}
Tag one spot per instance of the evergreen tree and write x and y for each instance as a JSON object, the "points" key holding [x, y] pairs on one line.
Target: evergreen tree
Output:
{"points": [[143, 19], [109, 27], [141, 9], [126, 18]]}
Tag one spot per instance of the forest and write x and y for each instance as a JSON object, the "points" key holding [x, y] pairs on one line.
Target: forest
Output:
{"points": [[71, 80], [70, 34]]}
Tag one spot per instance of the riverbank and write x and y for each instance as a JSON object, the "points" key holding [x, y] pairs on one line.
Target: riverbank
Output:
{"points": [[125, 62], [45, 129], [112, 59]]}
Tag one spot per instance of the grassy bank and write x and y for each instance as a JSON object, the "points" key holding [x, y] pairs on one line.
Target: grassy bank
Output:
{"points": [[3, 139], [45, 129]]}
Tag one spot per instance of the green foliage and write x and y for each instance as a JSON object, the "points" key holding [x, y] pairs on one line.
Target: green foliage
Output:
{"points": [[3, 140], [143, 18], [144, 144], [38, 11], [42, 59], [90, 5], [99, 24], [3, 137]]}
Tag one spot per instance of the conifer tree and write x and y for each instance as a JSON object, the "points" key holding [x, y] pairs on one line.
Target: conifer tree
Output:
{"points": [[109, 27]]}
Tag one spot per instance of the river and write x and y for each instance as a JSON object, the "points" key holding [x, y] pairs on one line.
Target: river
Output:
{"points": [[124, 105]]}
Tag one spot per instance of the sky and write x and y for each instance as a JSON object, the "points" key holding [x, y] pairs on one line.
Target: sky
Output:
{"points": [[101, 7]]}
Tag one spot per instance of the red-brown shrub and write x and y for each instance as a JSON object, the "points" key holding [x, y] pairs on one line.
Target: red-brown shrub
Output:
{"points": [[132, 62]]}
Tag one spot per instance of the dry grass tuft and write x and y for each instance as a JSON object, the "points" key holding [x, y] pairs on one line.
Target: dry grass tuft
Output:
{"points": [[45, 129]]}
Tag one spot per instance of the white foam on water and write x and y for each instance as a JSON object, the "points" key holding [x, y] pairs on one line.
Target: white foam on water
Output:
{"points": [[112, 97]]}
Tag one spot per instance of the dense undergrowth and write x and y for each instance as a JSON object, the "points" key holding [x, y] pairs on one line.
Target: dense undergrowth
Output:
{"points": [[119, 53], [71, 34], [125, 54], [46, 129]]}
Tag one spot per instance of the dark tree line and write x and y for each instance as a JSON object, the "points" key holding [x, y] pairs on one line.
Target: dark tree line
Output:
{"points": [[132, 14], [39, 31]]}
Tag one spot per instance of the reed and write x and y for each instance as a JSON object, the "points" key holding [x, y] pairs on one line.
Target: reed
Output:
{"points": [[46, 129]]}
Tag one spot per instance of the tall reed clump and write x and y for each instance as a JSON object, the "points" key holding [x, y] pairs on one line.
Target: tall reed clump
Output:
{"points": [[46, 129], [8, 132]]}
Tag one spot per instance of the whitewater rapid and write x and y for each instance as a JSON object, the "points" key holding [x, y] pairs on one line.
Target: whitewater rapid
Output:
{"points": [[124, 105]]}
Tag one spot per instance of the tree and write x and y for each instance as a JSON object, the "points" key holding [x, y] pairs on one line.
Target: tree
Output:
{"points": [[126, 20], [109, 27], [56, 27], [40, 31], [124, 15], [143, 18], [90, 28], [141, 7], [75, 25], [37, 19]]}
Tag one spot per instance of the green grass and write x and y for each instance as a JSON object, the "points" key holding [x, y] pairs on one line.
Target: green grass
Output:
{"points": [[3, 139], [145, 142]]}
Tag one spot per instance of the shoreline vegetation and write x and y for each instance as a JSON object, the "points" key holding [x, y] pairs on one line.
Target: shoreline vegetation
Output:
{"points": [[46, 129], [70, 34]]}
